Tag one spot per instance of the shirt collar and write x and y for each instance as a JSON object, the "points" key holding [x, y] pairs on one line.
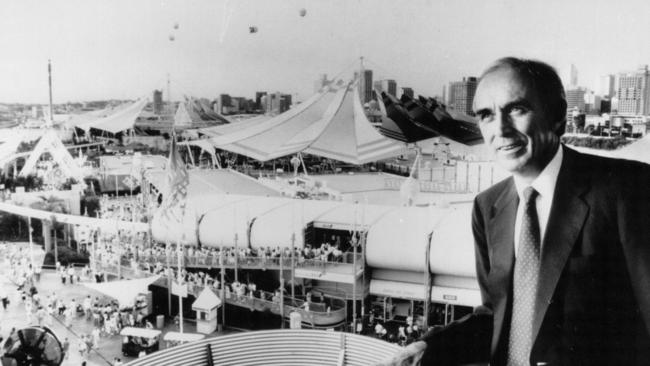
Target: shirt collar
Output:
{"points": [[545, 182]]}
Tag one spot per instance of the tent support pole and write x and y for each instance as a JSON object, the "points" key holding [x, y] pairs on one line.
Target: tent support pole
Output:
{"points": [[302, 161], [281, 290], [223, 289]]}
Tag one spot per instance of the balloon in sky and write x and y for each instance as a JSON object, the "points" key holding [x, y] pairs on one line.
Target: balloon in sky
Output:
{"points": [[303, 12], [171, 37], [175, 25], [252, 29]]}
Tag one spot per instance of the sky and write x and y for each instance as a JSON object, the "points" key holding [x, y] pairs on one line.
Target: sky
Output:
{"points": [[121, 49]]}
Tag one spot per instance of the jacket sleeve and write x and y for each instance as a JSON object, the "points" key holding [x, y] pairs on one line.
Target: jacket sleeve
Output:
{"points": [[633, 219], [468, 339]]}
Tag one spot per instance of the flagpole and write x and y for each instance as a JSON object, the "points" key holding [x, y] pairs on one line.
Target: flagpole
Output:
{"points": [[354, 272], [180, 282]]}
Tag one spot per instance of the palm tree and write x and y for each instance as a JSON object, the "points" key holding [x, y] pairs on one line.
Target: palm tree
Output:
{"points": [[55, 205]]}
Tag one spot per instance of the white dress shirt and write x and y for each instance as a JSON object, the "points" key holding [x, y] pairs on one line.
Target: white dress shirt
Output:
{"points": [[544, 184]]}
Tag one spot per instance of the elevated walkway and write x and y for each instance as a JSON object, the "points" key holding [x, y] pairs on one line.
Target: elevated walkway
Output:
{"points": [[341, 272], [276, 347], [317, 316]]}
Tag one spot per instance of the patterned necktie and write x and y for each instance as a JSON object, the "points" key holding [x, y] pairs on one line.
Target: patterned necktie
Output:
{"points": [[525, 284]]}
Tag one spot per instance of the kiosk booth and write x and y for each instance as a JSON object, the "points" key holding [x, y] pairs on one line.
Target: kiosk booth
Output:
{"points": [[206, 306]]}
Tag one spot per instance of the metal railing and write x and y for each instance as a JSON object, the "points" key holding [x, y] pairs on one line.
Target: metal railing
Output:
{"points": [[251, 262]]}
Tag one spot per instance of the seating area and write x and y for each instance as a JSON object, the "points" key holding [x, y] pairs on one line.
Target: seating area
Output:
{"points": [[276, 347]]}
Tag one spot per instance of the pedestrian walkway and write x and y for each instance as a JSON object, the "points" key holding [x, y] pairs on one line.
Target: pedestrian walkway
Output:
{"points": [[15, 316]]}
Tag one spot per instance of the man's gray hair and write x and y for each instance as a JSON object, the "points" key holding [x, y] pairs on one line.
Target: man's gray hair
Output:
{"points": [[541, 77]]}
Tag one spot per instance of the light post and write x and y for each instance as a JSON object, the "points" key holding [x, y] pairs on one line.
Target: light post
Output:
{"points": [[31, 243]]}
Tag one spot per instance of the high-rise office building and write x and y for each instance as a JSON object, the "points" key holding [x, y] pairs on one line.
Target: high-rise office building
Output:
{"points": [[408, 91], [285, 102], [607, 86], [157, 102], [592, 103], [575, 99], [461, 95], [387, 85], [258, 100], [633, 92], [573, 82], [365, 86]]}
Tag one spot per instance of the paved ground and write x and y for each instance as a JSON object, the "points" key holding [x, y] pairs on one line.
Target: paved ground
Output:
{"points": [[15, 316]]}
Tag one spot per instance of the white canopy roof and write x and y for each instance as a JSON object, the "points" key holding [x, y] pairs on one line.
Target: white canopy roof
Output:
{"points": [[122, 119], [331, 124], [105, 225], [207, 300], [50, 142], [233, 126], [124, 291]]}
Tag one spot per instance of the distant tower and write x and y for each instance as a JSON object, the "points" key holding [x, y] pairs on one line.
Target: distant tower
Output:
{"points": [[49, 78], [387, 85], [366, 86], [461, 95], [633, 92], [574, 76], [408, 91], [259, 105], [607, 86], [157, 102], [575, 99], [444, 93]]}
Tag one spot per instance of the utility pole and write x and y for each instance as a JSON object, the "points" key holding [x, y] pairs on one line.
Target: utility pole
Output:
{"points": [[49, 79]]}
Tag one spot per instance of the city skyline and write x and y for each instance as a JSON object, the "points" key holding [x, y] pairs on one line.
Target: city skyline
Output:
{"points": [[123, 50]]}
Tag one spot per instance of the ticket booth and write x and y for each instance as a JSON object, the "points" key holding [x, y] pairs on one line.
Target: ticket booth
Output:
{"points": [[206, 306]]}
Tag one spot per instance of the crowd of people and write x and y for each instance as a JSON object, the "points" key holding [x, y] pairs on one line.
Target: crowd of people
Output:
{"points": [[43, 309], [159, 255]]}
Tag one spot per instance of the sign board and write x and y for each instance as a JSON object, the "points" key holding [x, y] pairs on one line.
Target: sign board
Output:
{"points": [[456, 296], [179, 289]]}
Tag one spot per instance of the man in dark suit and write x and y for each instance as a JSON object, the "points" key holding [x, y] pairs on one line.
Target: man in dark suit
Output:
{"points": [[562, 246]]}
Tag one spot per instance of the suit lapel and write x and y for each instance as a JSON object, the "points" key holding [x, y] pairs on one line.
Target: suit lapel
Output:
{"points": [[567, 216], [501, 252]]}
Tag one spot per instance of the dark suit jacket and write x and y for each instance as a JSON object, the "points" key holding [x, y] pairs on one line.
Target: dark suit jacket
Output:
{"points": [[593, 302]]}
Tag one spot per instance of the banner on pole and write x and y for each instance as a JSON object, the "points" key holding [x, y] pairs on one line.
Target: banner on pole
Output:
{"points": [[179, 289]]}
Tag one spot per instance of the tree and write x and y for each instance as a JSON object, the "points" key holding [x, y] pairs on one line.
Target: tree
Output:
{"points": [[55, 205]]}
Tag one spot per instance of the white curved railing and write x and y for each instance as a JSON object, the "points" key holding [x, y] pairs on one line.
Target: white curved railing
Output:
{"points": [[275, 347]]}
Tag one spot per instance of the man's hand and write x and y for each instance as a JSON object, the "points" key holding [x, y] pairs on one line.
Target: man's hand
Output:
{"points": [[409, 356]]}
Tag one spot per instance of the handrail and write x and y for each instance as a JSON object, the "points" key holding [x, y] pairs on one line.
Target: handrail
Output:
{"points": [[246, 262]]}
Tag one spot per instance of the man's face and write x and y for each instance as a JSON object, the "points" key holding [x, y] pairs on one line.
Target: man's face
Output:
{"points": [[515, 126]]}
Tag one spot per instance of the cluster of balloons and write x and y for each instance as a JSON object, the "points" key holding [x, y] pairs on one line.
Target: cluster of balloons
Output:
{"points": [[253, 29], [171, 36]]}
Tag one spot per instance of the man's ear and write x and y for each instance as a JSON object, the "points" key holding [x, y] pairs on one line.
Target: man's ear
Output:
{"points": [[559, 127]]}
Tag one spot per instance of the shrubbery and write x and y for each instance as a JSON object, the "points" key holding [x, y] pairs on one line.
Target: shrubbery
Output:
{"points": [[603, 143], [67, 256]]}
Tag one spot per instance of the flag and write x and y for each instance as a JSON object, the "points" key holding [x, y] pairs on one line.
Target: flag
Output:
{"points": [[178, 181]]}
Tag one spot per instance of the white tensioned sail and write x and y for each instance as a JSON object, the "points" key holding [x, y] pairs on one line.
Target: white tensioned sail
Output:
{"points": [[331, 124]]}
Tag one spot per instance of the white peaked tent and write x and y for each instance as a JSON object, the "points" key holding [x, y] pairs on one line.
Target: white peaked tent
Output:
{"points": [[8, 149], [124, 291], [122, 119], [331, 124], [50, 142], [182, 116], [233, 126]]}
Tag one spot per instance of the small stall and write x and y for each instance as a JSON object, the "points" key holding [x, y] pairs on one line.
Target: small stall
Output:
{"points": [[136, 340], [206, 306]]}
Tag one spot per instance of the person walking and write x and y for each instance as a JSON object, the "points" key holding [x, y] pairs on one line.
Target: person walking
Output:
{"points": [[4, 297], [66, 348]]}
